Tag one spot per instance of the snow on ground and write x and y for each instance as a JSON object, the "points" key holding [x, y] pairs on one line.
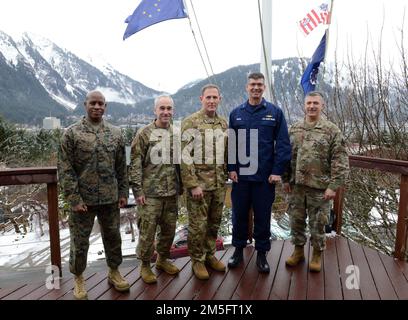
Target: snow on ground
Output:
{"points": [[19, 251]]}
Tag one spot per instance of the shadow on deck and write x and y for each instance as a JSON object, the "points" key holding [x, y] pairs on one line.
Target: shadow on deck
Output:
{"points": [[350, 272]]}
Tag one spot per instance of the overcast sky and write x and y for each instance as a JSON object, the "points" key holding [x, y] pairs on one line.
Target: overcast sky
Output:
{"points": [[165, 57]]}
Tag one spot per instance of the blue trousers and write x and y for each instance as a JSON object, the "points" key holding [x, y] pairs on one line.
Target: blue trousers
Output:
{"points": [[259, 196]]}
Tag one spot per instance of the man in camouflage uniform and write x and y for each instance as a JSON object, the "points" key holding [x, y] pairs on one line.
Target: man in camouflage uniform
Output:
{"points": [[154, 179], [92, 168], [319, 166], [204, 173]]}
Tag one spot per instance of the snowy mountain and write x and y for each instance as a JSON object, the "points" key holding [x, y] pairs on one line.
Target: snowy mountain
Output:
{"points": [[63, 76], [232, 82], [38, 79]]}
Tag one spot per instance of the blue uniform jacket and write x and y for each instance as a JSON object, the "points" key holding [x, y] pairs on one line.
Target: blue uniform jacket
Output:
{"points": [[274, 150]]}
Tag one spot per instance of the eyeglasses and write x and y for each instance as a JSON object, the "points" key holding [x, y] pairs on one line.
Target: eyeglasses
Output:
{"points": [[99, 103]]}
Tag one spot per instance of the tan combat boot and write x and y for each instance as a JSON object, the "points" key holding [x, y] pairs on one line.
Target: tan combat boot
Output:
{"points": [[146, 273], [200, 271], [214, 263], [116, 279], [79, 288], [316, 263], [166, 266], [297, 256]]}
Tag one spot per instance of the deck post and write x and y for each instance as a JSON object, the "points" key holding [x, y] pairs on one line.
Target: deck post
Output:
{"points": [[53, 221], [401, 242], [47, 175], [338, 210]]}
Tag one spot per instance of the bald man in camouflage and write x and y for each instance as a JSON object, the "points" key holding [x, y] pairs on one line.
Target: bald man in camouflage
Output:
{"points": [[319, 166], [155, 181], [204, 178], [92, 170]]}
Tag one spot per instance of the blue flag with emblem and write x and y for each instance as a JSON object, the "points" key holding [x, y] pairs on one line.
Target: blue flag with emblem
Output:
{"points": [[150, 12], [309, 77]]}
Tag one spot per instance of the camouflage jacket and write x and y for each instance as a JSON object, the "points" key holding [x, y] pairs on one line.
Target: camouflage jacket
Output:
{"points": [[319, 156], [92, 164], [204, 164], [152, 170]]}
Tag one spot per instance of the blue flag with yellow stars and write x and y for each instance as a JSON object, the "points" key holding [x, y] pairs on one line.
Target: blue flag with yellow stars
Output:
{"points": [[150, 12]]}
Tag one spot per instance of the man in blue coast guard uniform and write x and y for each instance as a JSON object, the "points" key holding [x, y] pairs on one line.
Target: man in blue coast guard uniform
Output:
{"points": [[259, 153]]}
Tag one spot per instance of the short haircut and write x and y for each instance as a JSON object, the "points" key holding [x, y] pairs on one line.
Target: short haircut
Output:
{"points": [[256, 76], [316, 94], [156, 100], [94, 92], [210, 86]]}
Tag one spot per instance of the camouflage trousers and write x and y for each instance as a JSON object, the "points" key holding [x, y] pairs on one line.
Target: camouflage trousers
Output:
{"points": [[308, 202], [158, 214], [80, 227], [204, 218]]}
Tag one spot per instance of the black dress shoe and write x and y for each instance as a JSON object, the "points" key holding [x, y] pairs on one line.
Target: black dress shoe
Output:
{"points": [[261, 262], [236, 258]]}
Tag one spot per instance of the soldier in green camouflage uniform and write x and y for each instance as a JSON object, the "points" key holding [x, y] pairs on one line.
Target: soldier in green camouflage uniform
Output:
{"points": [[204, 173], [319, 166], [153, 176], [92, 169]]}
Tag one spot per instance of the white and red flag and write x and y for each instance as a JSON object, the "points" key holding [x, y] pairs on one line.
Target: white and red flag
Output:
{"points": [[317, 16]]}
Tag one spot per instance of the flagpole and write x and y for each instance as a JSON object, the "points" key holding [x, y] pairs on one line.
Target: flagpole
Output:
{"points": [[327, 30], [266, 52]]}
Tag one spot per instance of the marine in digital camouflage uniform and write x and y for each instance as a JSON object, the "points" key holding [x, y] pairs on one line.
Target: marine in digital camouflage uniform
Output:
{"points": [[154, 179], [92, 170], [204, 178], [319, 166]]}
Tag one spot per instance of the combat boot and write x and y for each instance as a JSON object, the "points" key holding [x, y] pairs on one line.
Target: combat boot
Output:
{"points": [[297, 256], [146, 273], [316, 263], [236, 258], [262, 263], [79, 288], [166, 266], [200, 271], [214, 263], [116, 279]]}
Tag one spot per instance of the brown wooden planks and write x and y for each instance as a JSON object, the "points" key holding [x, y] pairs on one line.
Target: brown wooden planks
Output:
{"points": [[396, 276], [299, 276], [264, 282], [7, 291], [345, 260], [315, 281], [332, 281], [178, 282], [92, 281], [380, 276], [209, 288], [247, 283], [23, 291], [281, 284], [163, 281], [367, 285], [233, 277], [131, 276]]}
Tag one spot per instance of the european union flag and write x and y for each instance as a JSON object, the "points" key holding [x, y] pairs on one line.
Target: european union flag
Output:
{"points": [[150, 12], [309, 77]]}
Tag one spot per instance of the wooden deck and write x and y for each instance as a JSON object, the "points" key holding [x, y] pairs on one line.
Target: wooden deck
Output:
{"points": [[381, 278]]}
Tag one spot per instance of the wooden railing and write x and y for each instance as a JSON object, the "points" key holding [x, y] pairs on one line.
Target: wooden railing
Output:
{"points": [[385, 165], [24, 176]]}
